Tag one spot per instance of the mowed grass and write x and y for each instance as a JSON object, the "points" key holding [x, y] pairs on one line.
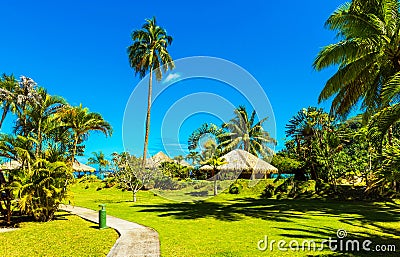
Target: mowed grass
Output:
{"points": [[232, 225], [67, 235]]}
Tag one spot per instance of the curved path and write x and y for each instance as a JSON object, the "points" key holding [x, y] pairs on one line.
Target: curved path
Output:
{"points": [[135, 240]]}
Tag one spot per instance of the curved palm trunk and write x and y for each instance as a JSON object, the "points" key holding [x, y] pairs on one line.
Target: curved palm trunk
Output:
{"points": [[39, 144], [3, 116], [390, 136], [146, 137], [76, 137]]}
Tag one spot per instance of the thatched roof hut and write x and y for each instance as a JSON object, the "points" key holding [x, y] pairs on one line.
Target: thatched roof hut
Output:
{"points": [[10, 165], [161, 157], [241, 161], [77, 166]]}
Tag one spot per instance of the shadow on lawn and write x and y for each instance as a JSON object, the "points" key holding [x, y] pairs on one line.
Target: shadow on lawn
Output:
{"points": [[287, 211], [279, 210]]}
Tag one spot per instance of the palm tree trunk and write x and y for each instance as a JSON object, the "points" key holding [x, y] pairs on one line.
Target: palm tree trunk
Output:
{"points": [[39, 144], [76, 137], [3, 116], [146, 137], [390, 136]]}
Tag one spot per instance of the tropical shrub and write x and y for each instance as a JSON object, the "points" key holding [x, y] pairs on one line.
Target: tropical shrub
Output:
{"points": [[43, 189], [235, 188], [268, 191]]}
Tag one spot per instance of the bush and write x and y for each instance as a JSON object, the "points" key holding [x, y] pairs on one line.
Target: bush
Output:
{"points": [[235, 188], [88, 179], [110, 182], [165, 183], [268, 191]]}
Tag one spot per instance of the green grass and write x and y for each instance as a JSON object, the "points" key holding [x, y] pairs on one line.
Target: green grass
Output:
{"points": [[231, 225], [67, 235]]}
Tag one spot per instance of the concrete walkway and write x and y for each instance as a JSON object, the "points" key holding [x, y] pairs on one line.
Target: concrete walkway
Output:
{"points": [[135, 240]]}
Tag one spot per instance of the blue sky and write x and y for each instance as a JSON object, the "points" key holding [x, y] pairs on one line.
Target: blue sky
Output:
{"points": [[77, 49]]}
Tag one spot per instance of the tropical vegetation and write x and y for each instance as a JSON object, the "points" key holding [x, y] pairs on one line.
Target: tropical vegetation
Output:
{"points": [[38, 155]]}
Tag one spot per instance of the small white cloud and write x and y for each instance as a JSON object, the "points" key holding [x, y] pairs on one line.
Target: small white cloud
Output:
{"points": [[171, 77]]}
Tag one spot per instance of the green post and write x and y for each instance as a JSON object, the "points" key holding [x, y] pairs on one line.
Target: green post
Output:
{"points": [[102, 216]]}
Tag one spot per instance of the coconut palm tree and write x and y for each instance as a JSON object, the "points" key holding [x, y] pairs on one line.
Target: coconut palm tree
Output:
{"points": [[245, 133], [99, 159], [215, 161], [40, 117], [148, 53], [367, 55], [81, 122]]}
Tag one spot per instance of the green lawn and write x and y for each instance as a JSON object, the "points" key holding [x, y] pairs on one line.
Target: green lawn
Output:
{"points": [[67, 235], [231, 225]]}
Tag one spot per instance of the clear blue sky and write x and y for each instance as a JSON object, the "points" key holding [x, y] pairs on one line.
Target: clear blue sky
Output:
{"points": [[77, 49]]}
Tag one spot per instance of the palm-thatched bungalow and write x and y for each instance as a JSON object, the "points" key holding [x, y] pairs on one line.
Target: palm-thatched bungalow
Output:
{"points": [[244, 165], [80, 167], [77, 166], [161, 157], [10, 165]]}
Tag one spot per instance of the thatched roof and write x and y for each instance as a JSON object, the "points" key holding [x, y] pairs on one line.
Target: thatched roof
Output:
{"points": [[77, 166], [183, 163], [240, 160], [161, 157], [10, 165]]}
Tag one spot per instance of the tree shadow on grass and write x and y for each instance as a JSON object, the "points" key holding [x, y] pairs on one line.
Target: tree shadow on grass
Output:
{"points": [[287, 211]]}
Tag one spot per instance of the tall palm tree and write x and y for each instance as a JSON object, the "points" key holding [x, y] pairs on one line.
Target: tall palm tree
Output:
{"points": [[25, 97], [247, 134], [81, 122], [99, 159], [367, 55], [147, 54]]}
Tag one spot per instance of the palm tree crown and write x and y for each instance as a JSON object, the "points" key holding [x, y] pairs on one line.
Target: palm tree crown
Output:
{"points": [[367, 55], [245, 133]]}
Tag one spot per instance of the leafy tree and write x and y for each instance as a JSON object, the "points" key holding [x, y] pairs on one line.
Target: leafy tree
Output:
{"points": [[148, 53], [130, 174], [306, 127], [286, 164]]}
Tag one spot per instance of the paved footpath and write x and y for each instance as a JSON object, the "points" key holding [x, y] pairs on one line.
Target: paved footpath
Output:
{"points": [[135, 240]]}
